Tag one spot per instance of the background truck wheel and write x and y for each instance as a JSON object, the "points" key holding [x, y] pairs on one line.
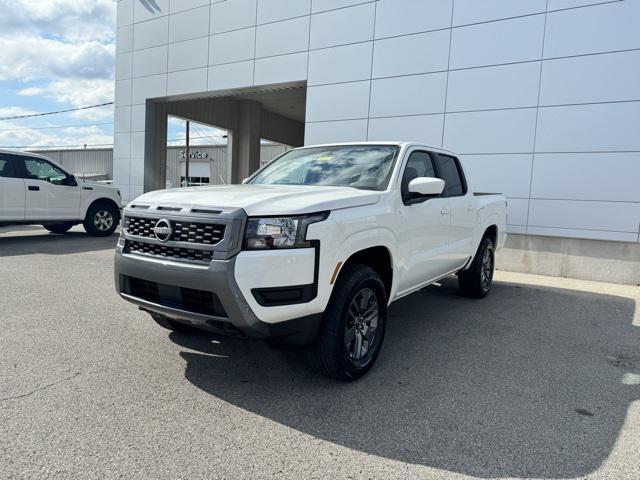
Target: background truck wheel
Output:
{"points": [[353, 325], [477, 281], [102, 219], [173, 325], [59, 227]]}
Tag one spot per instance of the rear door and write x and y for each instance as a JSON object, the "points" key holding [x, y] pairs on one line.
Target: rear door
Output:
{"points": [[424, 233], [49, 196], [464, 216], [12, 190]]}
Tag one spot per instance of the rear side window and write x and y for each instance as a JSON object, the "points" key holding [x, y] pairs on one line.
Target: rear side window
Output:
{"points": [[6, 165], [451, 173]]}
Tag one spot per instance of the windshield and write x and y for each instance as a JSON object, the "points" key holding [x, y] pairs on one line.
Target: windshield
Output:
{"points": [[360, 166]]}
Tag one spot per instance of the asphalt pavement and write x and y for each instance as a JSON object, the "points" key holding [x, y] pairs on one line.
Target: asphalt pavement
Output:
{"points": [[539, 380]]}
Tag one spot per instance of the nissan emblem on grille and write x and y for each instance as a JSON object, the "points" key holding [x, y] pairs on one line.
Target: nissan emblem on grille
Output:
{"points": [[163, 230]]}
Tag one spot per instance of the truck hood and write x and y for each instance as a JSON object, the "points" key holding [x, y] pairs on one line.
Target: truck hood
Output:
{"points": [[264, 199], [108, 191]]}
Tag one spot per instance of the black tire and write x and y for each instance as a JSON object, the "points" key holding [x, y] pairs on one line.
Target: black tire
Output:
{"points": [[102, 219], [477, 280], [333, 353], [59, 228], [174, 326]]}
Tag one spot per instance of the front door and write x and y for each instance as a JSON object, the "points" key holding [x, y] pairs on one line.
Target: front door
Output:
{"points": [[12, 196], [48, 194], [424, 229]]}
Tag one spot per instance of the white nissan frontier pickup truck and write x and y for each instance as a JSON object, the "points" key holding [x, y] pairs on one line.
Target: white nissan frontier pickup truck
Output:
{"points": [[311, 249]]}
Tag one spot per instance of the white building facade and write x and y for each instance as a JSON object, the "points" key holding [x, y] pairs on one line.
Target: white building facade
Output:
{"points": [[541, 98]]}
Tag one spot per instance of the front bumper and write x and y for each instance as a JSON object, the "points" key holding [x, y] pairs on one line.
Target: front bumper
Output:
{"points": [[236, 318]]}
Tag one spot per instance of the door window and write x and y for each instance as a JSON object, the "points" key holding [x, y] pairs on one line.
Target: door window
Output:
{"points": [[450, 172], [419, 164], [6, 165], [40, 169]]}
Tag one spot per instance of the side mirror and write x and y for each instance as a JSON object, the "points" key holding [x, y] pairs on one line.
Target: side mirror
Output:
{"points": [[426, 186], [71, 181]]}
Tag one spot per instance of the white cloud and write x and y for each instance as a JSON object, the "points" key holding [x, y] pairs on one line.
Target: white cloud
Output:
{"points": [[14, 135], [78, 93], [25, 58], [14, 111], [73, 20]]}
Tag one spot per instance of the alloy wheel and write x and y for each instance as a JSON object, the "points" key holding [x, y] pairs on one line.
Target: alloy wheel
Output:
{"points": [[361, 326], [103, 220], [486, 272]]}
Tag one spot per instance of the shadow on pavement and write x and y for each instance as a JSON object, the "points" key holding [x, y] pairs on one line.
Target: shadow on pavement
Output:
{"points": [[525, 383], [37, 240]]}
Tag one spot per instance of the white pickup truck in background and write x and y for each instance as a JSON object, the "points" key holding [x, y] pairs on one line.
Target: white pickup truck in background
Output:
{"points": [[311, 249], [36, 191]]}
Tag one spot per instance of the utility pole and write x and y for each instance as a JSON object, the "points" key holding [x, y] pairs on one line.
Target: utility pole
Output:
{"points": [[186, 165]]}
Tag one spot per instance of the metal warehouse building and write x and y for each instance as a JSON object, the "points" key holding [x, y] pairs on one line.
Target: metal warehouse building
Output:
{"points": [[540, 97], [208, 164]]}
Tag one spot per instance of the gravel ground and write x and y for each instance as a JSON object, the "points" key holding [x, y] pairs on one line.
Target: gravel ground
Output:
{"points": [[541, 379]]}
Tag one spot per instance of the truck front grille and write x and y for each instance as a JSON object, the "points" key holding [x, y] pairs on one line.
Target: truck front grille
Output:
{"points": [[190, 232], [187, 299], [165, 251]]}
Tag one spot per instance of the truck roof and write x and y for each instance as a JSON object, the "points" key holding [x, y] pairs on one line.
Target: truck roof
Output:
{"points": [[27, 154], [394, 143]]}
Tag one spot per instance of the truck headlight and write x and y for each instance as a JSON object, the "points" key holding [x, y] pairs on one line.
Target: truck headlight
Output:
{"points": [[280, 232]]}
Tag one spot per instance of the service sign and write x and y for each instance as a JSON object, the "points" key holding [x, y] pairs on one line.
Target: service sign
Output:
{"points": [[182, 154]]}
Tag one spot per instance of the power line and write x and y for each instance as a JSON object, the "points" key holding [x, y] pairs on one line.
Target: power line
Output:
{"points": [[43, 147], [32, 147], [16, 117], [56, 126], [190, 138], [213, 137]]}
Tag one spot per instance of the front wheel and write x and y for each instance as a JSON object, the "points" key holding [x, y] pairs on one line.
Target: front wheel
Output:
{"points": [[477, 281], [353, 325], [102, 219], [59, 228]]}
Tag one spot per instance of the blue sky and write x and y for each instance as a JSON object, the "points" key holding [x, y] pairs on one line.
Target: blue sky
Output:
{"points": [[56, 55]]}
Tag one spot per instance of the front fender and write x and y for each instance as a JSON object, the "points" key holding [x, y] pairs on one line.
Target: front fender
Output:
{"points": [[369, 238]]}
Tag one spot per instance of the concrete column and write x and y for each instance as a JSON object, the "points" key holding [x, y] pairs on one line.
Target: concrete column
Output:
{"points": [[155, 151], [244, 142], [232, 146]]}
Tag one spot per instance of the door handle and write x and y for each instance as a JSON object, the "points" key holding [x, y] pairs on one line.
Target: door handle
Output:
{"points": [[444, 211], [470, 208], [34, 188]]}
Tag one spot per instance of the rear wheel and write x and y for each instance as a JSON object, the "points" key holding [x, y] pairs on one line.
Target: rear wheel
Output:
{"points": [[353, 325], [477, 281], [102, 219], [59, 228]]}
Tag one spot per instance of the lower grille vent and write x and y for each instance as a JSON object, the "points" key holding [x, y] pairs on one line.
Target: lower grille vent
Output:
{"points": [[187, 299], [164, 251]]}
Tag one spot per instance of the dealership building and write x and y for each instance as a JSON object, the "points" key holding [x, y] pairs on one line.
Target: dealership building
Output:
{"points": [[541, 99]]}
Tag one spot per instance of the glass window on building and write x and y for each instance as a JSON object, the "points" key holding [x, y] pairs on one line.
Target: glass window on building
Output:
{"points": [[194, 181]]}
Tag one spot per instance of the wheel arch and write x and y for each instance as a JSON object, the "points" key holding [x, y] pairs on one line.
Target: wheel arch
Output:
{"points": [[380, 259], [104, 200], [491, 232]]}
